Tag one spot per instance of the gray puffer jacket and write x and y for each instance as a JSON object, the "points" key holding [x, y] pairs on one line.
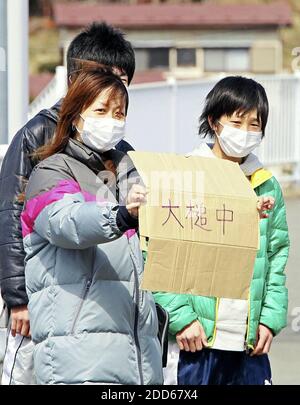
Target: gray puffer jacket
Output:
{"points": [[90, 321]]}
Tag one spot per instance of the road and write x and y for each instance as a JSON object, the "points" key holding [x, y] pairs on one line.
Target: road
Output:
{"points": [[285, 351]]}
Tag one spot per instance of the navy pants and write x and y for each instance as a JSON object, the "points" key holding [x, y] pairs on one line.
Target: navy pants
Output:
{"points": [[219, 367]]}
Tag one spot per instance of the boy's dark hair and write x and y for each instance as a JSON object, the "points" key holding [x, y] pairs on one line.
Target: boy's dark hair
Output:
{"points": [[103, 44], [234, 93]]}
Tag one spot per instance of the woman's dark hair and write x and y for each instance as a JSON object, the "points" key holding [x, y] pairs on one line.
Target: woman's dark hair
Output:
{"points": [[103, 44], [89, 83], [234, 93]]}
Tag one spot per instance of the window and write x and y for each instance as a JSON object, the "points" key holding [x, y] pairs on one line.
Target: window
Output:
{"points": [[158, 58], [152, 58], [226, 59], [186, 57], [141, 59]]}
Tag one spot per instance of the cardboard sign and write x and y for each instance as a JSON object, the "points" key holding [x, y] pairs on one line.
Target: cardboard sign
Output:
{"points": [[202, 224]]}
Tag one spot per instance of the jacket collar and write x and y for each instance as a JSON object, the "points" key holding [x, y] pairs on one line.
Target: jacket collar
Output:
{"points": [[259, 177], [85, 155], [53, 112], [95, 161], [252, 167]]}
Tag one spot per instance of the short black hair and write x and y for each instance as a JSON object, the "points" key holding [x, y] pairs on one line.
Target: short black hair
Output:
{"points": [[104, 44], [234, 93]]}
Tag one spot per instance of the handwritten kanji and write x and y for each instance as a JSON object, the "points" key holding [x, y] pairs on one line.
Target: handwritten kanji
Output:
{"points": [[198, 212], [171, 213], [202, 217], [222, 216]]}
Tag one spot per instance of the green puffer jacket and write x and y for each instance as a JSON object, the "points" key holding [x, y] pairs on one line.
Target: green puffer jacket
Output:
{"points": [[268, 294]]}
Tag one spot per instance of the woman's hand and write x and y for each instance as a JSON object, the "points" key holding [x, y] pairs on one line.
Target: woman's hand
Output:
{"points": [[136, 198], [20, 321], [192, 337], [264, 204], [263, 341]]}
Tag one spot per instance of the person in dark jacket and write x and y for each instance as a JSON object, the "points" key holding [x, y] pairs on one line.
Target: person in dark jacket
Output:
{"points": [[99, 43]]}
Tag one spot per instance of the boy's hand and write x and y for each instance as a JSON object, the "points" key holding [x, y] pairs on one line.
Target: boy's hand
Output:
{"points": [[192, 337], [263, 341], [136, 198], [264, 204], [20, 321]]}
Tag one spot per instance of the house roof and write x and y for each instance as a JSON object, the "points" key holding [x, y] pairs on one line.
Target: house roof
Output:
{"points": [[37, 82], [148, 76], [179, 16]]}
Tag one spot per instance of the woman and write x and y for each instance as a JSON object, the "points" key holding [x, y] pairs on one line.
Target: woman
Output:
{"points": [[224, 341], [89, 320]]}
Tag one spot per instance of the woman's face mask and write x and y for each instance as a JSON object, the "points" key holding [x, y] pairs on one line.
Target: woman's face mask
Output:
{"points": [[102, 124], [102, 134], [238, 143]]}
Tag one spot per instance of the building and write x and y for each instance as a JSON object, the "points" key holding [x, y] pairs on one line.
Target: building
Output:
{"points": [[188, 40]]}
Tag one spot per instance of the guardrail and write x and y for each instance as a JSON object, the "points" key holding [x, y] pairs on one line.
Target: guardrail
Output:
{"points": [[51, 93], [164, 116]]}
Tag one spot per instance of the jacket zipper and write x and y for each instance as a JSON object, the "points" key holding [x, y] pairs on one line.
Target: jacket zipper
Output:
{"points": [[136, 317], [247, 346], [211, 343], [82, 299], [165, 330]]}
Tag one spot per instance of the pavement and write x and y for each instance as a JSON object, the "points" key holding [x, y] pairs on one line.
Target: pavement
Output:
{"points": [[285, 351]]}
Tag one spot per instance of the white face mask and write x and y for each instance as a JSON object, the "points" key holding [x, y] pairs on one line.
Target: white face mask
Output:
{"points": [[102, 134], [238, 143]]}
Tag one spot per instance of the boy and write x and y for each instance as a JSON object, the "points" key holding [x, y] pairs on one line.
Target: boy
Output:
{"points": [[226, 341]]}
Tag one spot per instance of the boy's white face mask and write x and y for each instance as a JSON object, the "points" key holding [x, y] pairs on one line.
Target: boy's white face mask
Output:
{"points": [[102, 134], [238, 143]]}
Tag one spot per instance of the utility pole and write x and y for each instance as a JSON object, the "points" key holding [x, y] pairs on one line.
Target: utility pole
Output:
{"points": [[17, 64], [3, 73]]}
